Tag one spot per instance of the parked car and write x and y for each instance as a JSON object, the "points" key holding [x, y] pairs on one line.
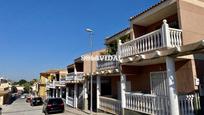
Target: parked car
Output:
{"points": [[36, 101], [22, 97], [53, 105], [28, 99]]}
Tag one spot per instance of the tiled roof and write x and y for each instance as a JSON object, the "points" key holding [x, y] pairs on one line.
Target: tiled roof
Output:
{"points": [[157, 4]]}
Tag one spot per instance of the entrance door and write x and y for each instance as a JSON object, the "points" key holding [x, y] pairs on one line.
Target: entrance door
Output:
{"points": [[159, 83]]}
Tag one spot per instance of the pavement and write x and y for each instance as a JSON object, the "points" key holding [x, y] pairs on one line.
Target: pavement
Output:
{"points": [[20, 107]]}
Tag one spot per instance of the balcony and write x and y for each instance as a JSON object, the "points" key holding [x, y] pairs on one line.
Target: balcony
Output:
{"points": [[106, 65], [110, 105], [50, 85], [162, 38], [78, 76], [159, 105]]}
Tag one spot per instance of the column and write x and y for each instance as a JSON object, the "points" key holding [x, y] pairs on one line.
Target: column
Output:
{"points": [[56, 92], [123, 87], [75, 95], [98, 92], [53, 93], [60, 92], [85, 95], [171, 76], [67, 94]]}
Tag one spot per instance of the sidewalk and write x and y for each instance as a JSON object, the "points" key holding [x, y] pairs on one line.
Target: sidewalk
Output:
{"points": [[80, 112]]}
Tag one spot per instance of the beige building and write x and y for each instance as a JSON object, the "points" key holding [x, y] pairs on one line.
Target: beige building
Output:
{"points": [[4, 91], [160, 59]]}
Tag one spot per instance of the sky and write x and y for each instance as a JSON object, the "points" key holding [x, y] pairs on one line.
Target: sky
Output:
{"points": [[37, 35]]}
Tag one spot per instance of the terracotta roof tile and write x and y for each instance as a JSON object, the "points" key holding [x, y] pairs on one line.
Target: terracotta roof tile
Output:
{"points": [[133, 17]]}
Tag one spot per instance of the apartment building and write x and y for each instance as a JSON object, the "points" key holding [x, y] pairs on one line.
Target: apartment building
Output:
{"points": [[160, 63]]}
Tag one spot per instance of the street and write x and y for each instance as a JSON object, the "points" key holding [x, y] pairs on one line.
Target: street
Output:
{"points": [[20, 107]]}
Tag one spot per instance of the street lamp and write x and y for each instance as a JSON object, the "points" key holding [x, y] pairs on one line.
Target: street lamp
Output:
{"points": [[91, 44]]}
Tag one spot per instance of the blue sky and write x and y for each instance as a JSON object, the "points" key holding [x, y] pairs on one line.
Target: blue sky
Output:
{"points": [[36, 35]]}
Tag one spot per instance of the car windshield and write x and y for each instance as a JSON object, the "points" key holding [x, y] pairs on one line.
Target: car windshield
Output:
{"points": [[55, 101]]}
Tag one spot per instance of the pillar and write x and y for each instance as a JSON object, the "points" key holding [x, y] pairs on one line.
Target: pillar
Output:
{"points": [[98, 92], [56, 92], [75, 95], [67, 94], [85, 95], [123, 87], [53, 93], [60, 92], [171, 76]]}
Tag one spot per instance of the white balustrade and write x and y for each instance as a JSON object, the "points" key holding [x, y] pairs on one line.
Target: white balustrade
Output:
{"points": [[70, 101], [186, 103], [72, 76], [110, 105], [151, 41], [105, 65], [147, 103], [159, 105], [175, 37]]}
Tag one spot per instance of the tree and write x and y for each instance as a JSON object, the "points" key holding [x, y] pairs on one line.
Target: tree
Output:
{"points": [[27, 87], [33, 81], [22, 82], [14, 89]]}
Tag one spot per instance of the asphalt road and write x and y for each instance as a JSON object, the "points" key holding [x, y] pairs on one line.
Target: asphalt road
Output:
{"points": [[20, 107]]}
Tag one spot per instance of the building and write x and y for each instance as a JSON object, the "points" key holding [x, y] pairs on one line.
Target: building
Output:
{"points": [[4, 91], [46, 82], [160, 65]]}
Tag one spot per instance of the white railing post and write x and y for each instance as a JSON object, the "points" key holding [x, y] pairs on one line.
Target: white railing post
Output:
{"points": [[123, 88], [171, 76], [98, 90], [119, 49], [75, 95], [166, 34]]}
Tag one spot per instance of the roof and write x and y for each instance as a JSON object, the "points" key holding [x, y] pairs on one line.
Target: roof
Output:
{"points": [[120, 32], [70, 66], [151, 7], [48, 72]]}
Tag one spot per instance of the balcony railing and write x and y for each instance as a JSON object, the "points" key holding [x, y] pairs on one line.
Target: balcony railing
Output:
{"points": [[74, 76], [105, 65], [147, 103], [70, 101], [159, 105], [110, 105], [162, 38], [50, 85]]}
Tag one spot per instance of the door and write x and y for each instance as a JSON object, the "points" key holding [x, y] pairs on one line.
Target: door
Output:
{"points": [[159, 83]]}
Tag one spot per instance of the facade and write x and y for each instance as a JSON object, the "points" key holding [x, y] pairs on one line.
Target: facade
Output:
{"points": [[159, 71], [4, 91], [45, 82], [154, 56]]}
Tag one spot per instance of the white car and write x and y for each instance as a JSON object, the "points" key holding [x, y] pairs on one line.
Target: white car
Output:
{"points": [[22, 97]]}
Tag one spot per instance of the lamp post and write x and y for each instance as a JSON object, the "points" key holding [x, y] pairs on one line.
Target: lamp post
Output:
{"points": [[91, 77]]}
